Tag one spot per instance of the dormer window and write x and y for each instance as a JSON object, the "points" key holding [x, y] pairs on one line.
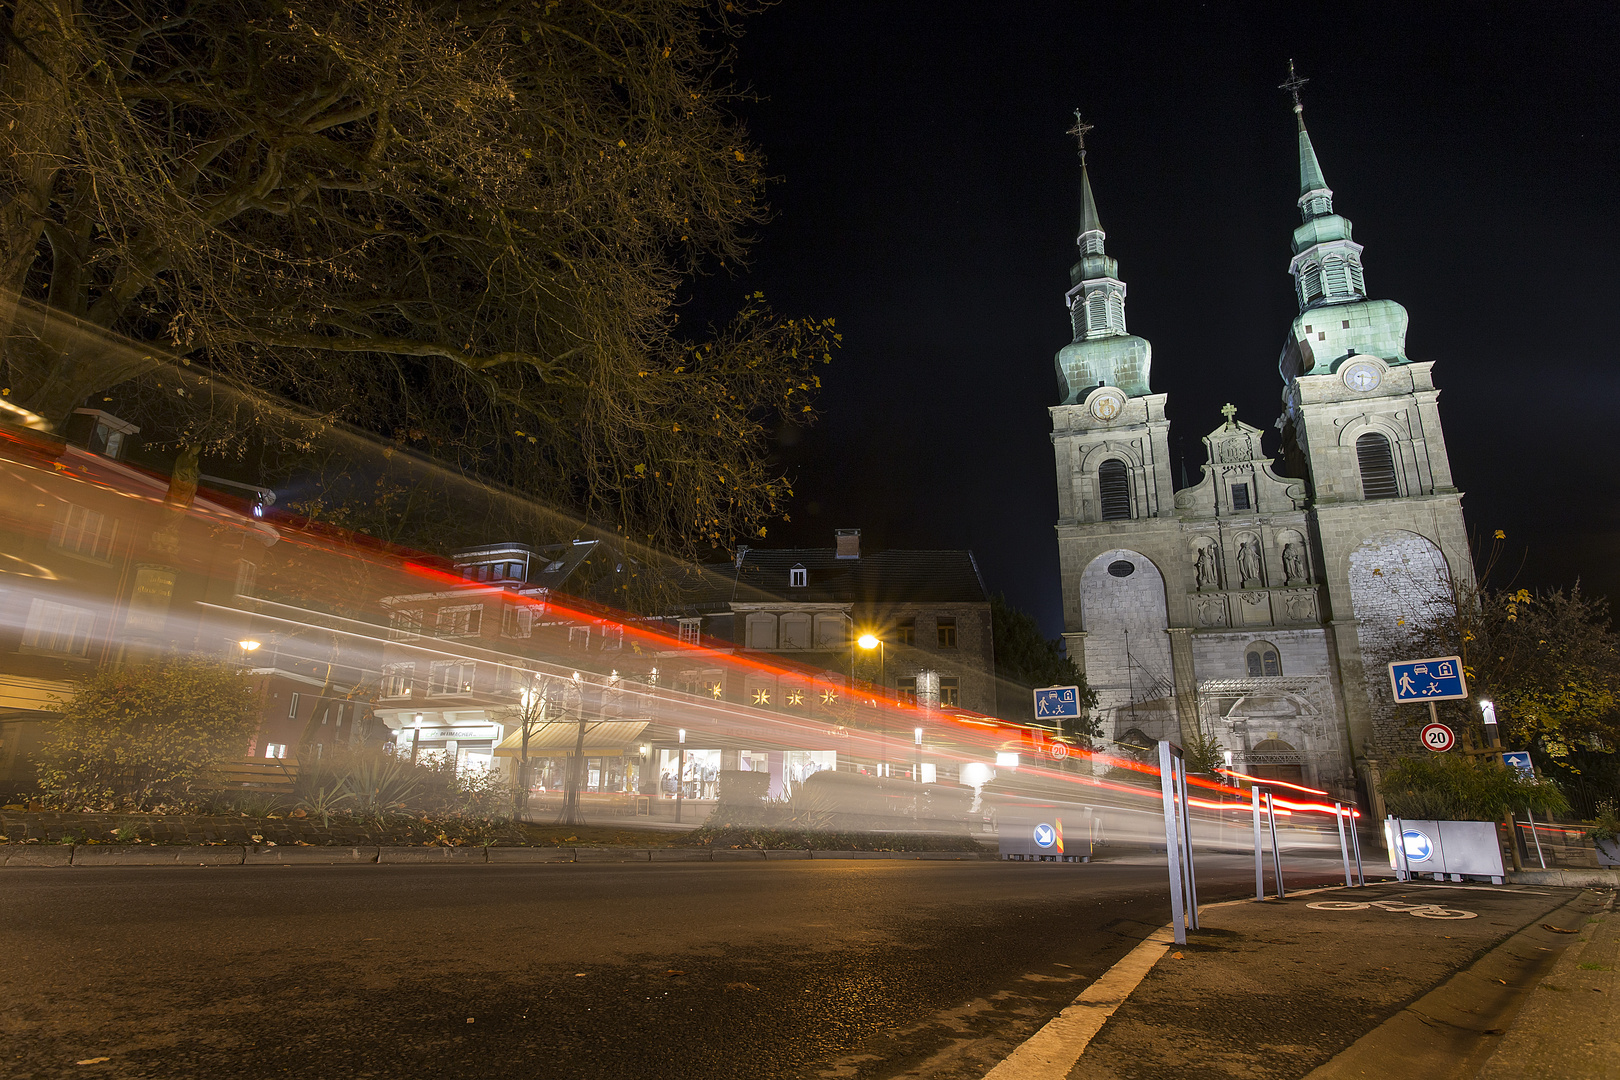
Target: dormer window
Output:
{"points": [[798, 577]]}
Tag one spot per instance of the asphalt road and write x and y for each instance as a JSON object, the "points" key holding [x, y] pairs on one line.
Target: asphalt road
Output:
{"points": [[758, 970]]}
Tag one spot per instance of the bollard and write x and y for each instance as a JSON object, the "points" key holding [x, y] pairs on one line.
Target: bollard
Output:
{"points": [[1276, 856], [1259, 859], [1355, 844], [1344, 848]]}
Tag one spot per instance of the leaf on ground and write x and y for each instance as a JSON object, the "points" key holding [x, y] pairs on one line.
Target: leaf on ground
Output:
{"points": [[1557, 929], [469, 1019], [92, 1061], [673, 972], [741, 986], [1177, 956], [579, 974]]}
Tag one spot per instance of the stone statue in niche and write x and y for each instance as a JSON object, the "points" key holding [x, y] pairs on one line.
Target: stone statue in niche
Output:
{"points": [[1294, 563], [1249, 562], [1208, 572]]}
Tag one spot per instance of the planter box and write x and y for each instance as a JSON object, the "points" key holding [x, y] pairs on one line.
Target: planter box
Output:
{"points": [[1454, 849]]}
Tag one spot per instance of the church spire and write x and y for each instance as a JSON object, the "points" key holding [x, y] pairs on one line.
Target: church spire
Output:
{"points": [[1327, 261], [1103, 351], [1315, 197]]}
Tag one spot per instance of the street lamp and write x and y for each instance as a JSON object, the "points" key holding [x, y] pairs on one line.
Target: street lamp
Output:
{"points": [[416, 738], [1487, 711], [870, 641], [248, 644]]}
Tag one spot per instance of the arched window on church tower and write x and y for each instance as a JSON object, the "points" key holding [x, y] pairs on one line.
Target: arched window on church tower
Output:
{"points": [[1097, 314], [1310, 282], [1335, 279], [1114, 488], [1377, 467]]}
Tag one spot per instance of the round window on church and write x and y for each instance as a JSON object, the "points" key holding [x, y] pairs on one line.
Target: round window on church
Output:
{"points": [[1121, 568]]}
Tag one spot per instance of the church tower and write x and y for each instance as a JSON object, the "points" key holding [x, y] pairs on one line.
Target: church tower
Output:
{"points": [[1360, 422], [1116, 524]]}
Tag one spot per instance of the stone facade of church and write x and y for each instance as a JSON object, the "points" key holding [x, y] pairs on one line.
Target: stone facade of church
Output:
{"points": [[1260, 605]]}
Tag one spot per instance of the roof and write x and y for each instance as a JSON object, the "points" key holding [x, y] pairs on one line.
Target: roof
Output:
{"points": [[882, 577]]}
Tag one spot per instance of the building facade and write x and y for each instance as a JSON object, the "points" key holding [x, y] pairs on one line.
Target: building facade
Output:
{"points": [[1259, 605]]}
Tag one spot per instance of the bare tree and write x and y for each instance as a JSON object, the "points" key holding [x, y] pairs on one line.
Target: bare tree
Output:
{"points": [[459, 225]]}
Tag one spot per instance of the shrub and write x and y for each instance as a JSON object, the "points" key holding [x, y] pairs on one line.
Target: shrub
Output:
{"points": [[1452, 788], [141, 736]]}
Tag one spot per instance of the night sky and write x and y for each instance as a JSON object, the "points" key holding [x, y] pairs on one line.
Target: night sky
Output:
{"points": [[929, 203]]}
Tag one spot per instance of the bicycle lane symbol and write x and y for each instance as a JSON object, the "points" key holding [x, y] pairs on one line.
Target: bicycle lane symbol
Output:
{"points": [[1421, 911]]}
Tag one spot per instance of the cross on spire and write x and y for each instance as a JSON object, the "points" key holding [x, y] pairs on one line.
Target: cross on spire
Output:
{"points": [[1293, 85], [1079, 132], [1229, 411]]}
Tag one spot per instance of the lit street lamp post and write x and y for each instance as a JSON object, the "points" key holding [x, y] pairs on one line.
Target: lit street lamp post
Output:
{"points": [[869, 642], [416, 739], [680, 772]]}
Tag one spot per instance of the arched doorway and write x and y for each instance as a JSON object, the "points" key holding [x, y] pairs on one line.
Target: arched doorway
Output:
{"points": [[1274, 759]]}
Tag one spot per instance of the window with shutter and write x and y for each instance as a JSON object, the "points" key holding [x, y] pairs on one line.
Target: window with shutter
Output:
{"points": [[1377, 467], [1096, 314], [1357, 282], [1114, 488], [1335, 279], [1310, 284]]}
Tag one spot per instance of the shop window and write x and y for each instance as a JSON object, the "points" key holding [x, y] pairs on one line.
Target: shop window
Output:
{"points": [[149, 600], [1377, 467], [57, 628], [80, 531], [275, 750], [946, 632], [1114, 490], [950, 692]]}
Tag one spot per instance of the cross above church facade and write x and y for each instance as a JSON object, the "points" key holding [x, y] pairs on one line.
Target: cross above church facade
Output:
{"points": [[1229, 411], [1293, 85], [1079, 132]]}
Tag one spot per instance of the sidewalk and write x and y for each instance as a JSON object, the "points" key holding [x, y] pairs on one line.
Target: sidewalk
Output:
{"points": [[1390, 981]]}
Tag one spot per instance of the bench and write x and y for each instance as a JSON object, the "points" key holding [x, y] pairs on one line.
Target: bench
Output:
{"points": [[255, 774]]}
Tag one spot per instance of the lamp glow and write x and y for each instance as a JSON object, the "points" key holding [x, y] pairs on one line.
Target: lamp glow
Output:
{"points": [[868, 641], [248, 644]]}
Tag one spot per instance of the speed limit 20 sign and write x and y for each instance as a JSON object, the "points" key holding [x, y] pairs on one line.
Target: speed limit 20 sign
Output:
{"points": [[1438, 737]]}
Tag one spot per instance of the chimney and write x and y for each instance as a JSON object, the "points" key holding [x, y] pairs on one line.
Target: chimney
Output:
{"points": [[742, 553], [849, 543]]}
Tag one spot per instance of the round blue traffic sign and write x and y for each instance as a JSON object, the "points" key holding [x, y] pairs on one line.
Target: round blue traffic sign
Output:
{"points": [[1419, 848], [1045, 835]]}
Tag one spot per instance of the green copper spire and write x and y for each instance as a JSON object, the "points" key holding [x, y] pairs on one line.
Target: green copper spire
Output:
{"points": [[1103, 353], [1336, 320]]}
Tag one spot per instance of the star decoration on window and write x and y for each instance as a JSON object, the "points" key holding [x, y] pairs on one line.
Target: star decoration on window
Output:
{"points": [[762, 697], [796, 697], [829, 697], [716, 690]]}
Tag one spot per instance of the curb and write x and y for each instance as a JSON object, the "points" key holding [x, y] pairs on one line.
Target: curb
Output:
{"points": [[33, 855], [1571, 879]]}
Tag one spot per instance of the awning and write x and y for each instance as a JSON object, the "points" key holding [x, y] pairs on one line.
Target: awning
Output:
{"points": [[604, 738]]}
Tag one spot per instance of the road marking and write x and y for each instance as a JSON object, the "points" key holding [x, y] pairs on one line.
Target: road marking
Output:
{"points": [[1422, 911], [1051, 1052]]}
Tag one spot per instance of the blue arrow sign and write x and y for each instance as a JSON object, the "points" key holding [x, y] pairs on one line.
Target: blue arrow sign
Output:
{"points": [[1057, 702], [1045, 835], [1520, 760], [1438, 678]]}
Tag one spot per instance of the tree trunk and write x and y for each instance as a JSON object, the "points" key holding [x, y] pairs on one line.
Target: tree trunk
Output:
{"points": [[576, 777]]}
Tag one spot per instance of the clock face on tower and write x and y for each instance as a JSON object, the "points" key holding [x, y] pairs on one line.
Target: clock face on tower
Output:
{"points": [[1107, 404], [1362, 375]]}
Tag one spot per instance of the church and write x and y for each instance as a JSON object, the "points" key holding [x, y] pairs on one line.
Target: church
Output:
{"points": [[1259, 606]]}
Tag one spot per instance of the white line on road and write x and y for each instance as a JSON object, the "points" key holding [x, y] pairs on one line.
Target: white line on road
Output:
{"points": [[1051, 1052]]}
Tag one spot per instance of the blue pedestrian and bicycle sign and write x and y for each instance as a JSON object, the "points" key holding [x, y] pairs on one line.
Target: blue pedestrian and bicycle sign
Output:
{"points": [[1057, 702], [1439, 678]]}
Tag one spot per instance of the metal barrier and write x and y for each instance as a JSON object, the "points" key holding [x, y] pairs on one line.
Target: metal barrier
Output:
{"points": [[1178, 841]]}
